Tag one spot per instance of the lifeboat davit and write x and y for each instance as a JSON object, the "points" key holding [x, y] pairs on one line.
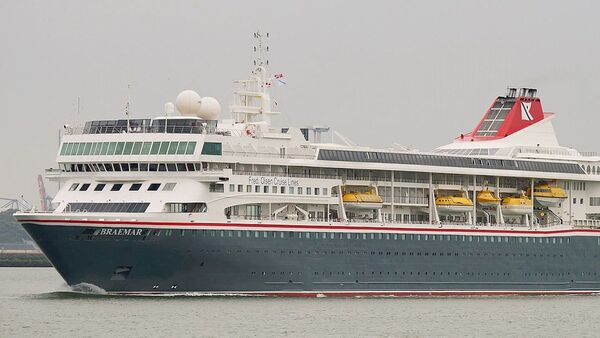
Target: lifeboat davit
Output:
{"points": [[548, 195], [454, 204], [356, 200], [516, 205], [486, 198]]}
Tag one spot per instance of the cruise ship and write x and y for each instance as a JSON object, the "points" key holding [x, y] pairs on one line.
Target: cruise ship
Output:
{"points": [[191, 203]]}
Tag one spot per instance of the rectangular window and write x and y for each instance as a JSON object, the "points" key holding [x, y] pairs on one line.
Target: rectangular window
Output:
{"points": [[191, 146], [274, 189], [173, 148], [88, 148], [181, 148], [116, 187], [74, 148], [98, 149], [84, 187], [291, 190], [154, 187], [73, 186], [128, 148], [143, 166], [266, 189], [164, 147], [63, 149], [99, 187], [282, 190], [120, 147], [104, 149], [135, 187], [309, 191], [248, 188], [299, 190], [81, 149], [111, 148], [317, 191], [94, 146], [169, 186], [155, 148], [240, 188], [257, 188], [146, 146], [137, 148], [232, 188], [212, 148]]}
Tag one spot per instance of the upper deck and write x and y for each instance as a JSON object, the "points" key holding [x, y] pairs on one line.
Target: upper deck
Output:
{"points": [[171, 125]]}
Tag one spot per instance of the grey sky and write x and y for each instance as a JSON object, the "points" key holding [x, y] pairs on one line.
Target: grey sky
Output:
{"points": [[412, 72]]}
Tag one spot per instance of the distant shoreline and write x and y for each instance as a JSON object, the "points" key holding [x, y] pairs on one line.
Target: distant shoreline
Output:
{"points": [[16, 259]]}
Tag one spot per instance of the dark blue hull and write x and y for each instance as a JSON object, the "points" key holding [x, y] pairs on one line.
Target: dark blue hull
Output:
{"points": [[240, 261]]}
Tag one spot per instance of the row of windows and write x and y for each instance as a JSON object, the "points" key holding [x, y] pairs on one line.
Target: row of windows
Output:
{"points": [[422, 273], [446, 161], [110, 167], [279, 189], [118, 186], [383, 253], [578, 185], [371, 236], [107, 207], [128, 148], [185, 207]]}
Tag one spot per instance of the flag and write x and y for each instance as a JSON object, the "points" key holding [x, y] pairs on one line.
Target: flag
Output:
{"points": [[279, 78]]}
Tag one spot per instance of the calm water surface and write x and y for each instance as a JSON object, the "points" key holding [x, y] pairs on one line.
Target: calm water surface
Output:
{"points": [[36, 302]]}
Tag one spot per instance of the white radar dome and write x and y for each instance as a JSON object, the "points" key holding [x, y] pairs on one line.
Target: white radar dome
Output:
{"points": [[188, 102], [209, 108]]}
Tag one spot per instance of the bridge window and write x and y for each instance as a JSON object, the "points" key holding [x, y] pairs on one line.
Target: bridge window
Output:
{"points": [[212, 148]]}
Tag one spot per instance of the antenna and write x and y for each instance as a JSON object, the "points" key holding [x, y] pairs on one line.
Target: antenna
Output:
{"points": [[127, 105], [261, 59]]}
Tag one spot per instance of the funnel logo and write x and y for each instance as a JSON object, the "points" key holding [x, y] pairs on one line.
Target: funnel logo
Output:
{"points": [[525, 111]]}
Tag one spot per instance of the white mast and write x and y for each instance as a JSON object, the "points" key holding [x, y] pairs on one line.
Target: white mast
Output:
{"points": [[251, 101]]}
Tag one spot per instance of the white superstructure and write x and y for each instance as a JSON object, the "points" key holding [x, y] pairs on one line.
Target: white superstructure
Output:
{"points": [[193, 168]]}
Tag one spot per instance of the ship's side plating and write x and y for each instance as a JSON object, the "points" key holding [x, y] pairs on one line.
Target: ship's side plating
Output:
{"points": [[228, 259]]}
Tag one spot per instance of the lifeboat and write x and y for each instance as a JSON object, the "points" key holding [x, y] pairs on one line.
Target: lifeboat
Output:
{"points": [[454, 204], [486, 198], [548, 195], [516, 205], [356, 200]]}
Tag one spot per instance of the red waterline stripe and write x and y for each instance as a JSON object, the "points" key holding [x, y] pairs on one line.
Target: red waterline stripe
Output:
{"points": [[316, 294], [315, 227]]}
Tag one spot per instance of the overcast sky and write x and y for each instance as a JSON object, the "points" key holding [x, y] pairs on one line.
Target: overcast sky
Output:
{"points": [[416, 73]]}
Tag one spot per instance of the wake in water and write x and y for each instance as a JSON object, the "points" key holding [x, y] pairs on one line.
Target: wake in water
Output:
{"points": [[87, 288]]}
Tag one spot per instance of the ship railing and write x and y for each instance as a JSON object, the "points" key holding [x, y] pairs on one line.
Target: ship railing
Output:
{"points": [[263, 154], [151, 129]]}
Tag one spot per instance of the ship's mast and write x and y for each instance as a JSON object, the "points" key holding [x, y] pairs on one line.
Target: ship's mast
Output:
{"points": [[251, 101]]}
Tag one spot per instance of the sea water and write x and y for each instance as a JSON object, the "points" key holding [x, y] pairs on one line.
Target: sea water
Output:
{"points": [[35, 302]]}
